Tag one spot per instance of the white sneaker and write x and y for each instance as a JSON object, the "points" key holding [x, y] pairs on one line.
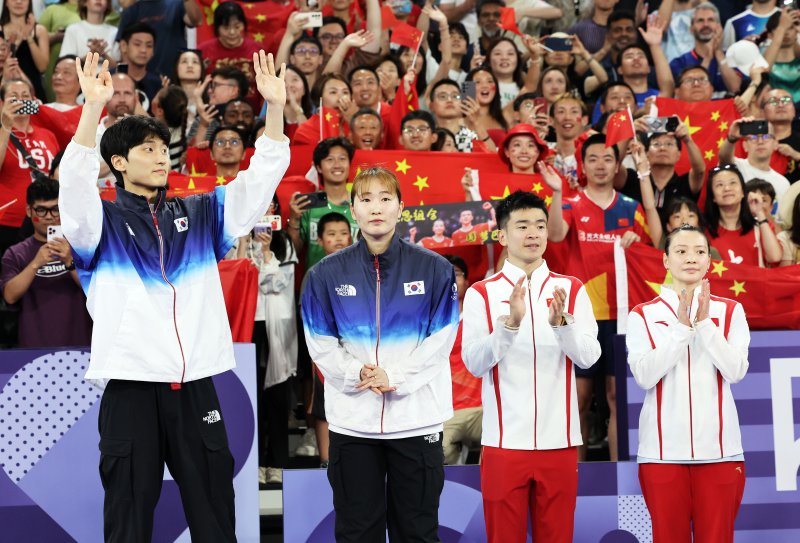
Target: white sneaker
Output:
{"points": [[274, 476], [262, 475], [308, 446]]}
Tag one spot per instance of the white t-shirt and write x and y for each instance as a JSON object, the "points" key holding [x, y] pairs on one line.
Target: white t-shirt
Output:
{"points": [[470, 20], [508, 92], [778, 182], [78, 34]]}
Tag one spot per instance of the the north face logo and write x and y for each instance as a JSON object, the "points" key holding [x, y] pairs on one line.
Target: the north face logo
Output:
{"points": [[182, 224], [346, 290], [212, 417]]}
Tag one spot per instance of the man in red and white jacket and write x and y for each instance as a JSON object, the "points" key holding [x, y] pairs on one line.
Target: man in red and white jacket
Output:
{"points": [[524, 328]]}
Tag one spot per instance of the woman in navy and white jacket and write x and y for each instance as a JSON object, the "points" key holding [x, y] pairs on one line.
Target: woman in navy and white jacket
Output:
{"points": [[685, 348]]}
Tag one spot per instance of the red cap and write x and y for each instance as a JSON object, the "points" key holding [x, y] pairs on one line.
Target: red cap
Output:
{"points": [[523, 129]]}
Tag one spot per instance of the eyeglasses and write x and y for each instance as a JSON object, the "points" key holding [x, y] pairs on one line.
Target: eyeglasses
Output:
{"points": [[233, 142], [443, 96], [663, 145], [413, 130], [214, 84], [42, 211], [327, 36], [695, 81], [303, 52], [756, 137], [778, 100]]}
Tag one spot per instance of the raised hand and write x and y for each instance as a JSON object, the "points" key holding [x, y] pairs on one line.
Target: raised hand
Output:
{"points": [[435, 15], [517, 303], [556, 309], [550, 175], [359, 39], [703, 301], [654, 33], [96, 88], [684, 306], [270, 83]]}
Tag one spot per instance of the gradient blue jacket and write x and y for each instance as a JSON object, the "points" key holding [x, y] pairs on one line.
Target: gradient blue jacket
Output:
{"points": [[150, 274], [397, 310]]}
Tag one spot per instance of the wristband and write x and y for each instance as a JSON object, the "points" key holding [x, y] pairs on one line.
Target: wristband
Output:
{"points": [[732, 141], [762, 221], [487, 138], [70, 267], [643, 174]]}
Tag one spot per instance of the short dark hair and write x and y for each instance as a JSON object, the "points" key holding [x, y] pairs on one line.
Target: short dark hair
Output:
{"points": [[648, 140], [674, 206], [691, 68], [173, 101], [459, 29], [760, 185], [442, 134], [229, 72], [684, 228], [230, 127], [597, 139], [441, 83], [361, 113], [42, 189], [137, 28], [330, 218], [628, 48], [361, 67], [323, 149], [483, 3], [419, 115], [127, 133], [331, 20], [610, 85], [518, 200], [523, 97], [620, 15], [457, 262], [227, 11], [66, 57]]}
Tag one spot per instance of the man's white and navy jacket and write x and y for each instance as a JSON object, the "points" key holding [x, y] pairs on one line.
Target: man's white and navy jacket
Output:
{"points": [[150, 274], [397, 310], [530, 401], [688, 412]]}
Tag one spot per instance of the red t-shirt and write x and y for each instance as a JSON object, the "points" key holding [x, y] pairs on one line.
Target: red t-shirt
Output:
{"points": [[15, 173], [215, 55], [430, 243], [592, 231], [736, 248], [472, 236], [466, 387]]}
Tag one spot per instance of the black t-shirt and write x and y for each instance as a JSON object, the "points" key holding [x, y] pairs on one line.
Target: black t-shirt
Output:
{"points": [[792, 167], [677, 187]]}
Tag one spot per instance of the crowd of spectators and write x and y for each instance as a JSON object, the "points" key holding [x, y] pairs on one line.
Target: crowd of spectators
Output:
{"points": [[539, 95]]}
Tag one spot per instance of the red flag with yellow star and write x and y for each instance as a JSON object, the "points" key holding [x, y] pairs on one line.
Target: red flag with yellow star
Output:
{"points": [[619, 128], [770, 296], [428, 177], [239, 279], [708, 124], [496, 186], [181, 186], [406, 35], [199, 161], [266, 21]]}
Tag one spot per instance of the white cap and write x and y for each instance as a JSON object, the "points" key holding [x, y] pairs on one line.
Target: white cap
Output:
{"points": [[743, 55]]}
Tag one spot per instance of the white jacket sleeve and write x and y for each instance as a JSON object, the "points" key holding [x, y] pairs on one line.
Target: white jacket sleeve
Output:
{"points": [[728, 355], [340, 368], [432, 355], [578, 340], [79, 201], [649, 364], [480, 349], [248, 196]]}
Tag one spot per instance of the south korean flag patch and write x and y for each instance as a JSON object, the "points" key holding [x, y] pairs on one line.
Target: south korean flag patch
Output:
{"points": [[182, 224], [413, 288]]}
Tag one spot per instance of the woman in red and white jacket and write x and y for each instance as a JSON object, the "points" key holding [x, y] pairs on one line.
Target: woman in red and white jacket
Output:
{"points": [[686, 347]]}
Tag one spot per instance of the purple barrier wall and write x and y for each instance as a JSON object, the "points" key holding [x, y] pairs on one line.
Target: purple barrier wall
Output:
{"points": [[50, 487]]}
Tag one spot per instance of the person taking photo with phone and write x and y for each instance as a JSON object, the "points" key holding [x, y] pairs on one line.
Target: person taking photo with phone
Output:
{"points": [[332, 158], [38, 276]]}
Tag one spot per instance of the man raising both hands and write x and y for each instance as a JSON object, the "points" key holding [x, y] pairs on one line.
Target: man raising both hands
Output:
{"points": [[149, 270]]}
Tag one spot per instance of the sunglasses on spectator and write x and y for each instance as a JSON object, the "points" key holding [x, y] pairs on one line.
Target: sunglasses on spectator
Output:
{"points": [[303, 52], [694, 81], [42, 211], [233, 142], [413, 130], [777, 101], [724, 168]]}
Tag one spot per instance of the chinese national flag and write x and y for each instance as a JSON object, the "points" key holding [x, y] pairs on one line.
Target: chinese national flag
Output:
{"points": [[406, 35], [388, 19], [239, 280], [422, 178], [199, 162], [496, 186], [508, 21], [266, 21], [770, 296], [330, 123], [619, 128], [62, 124], [181, 186]]}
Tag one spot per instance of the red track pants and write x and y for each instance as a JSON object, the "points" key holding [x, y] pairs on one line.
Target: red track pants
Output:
{"points": [[703, 496], [515, 482]]}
